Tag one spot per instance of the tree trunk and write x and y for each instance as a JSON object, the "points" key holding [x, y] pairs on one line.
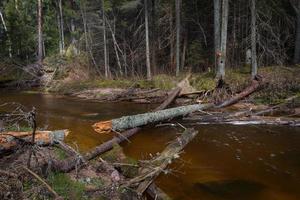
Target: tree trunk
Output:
{"points": [[154, 42], [253, 39], [5, 28], [116, 46], [106, 66], [224, 27], [297, 42], [178, 28], [217, 35], [10, 140], [61, 29], [128, 122], [73, 40], [171, 38], [40, 34], [149, 76]]}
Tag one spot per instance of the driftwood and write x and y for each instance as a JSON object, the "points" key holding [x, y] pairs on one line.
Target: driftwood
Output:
{"points": [[10, 140], [151, 169]]}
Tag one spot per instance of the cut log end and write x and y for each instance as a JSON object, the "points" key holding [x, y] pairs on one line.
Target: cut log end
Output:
{"points": [[103, 127]]}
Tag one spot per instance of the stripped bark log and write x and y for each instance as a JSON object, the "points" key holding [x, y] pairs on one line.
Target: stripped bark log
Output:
{"points": [[10, 140], [157, 165]]}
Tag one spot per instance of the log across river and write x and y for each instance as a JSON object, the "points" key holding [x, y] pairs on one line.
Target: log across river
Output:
{"points": [[223, 161]]}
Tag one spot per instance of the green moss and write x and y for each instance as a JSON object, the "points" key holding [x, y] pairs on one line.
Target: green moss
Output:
{"points": [[97, 182], [61, 154], [113, 155], [67, 188], [19, 128]]}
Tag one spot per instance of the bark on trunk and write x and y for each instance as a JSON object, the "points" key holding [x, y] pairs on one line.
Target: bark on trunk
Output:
{"points": [[223, 45], [178, 24], [106, 66], [40, 34], [61, 29], [133, 121], [253, 39], [217, 35], [297, 42], [148, 64], [10, 140]]}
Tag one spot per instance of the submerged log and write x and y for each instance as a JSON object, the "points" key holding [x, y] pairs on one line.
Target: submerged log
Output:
{"points": [[154, 167], [279, 121], [10, 140]]}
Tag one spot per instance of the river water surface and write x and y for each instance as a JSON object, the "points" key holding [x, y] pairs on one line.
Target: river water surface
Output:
{"points": [[222, 162]]}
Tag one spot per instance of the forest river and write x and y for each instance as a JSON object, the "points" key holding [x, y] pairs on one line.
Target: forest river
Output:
{"points": [[222, 162]]}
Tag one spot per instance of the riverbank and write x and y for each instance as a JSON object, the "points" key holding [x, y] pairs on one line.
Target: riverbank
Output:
{"points": [[282, 82]]}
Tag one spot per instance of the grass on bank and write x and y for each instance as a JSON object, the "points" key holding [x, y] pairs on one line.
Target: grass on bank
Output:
{"points": [[282, 83]]}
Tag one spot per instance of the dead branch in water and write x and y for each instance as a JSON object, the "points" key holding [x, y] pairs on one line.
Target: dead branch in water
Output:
{"points": [[154, 167]]}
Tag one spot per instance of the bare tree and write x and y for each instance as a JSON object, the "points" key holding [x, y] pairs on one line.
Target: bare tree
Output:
{"points": [[178, 28], [253, 39], [223, 43], [149, 76], [296, 5], [40, 34]]}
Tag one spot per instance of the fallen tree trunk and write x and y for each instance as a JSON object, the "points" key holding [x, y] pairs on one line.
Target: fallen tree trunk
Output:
{"points": [[128, 122], [254, 121], [255, 85], [70, 163], [133, 121], [154, 167], [10, 140]]}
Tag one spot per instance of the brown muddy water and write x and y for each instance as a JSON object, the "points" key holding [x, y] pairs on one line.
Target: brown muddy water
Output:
{"points": [[222, 162]]}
